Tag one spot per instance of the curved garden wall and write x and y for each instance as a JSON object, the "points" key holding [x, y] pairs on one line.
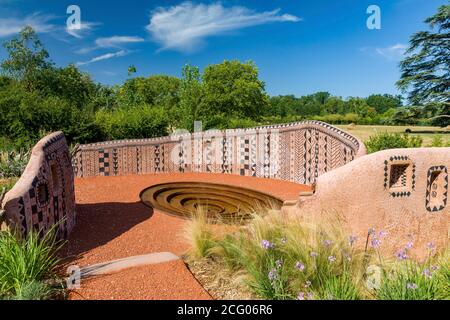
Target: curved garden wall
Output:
{"points": [[298, 152], [44, 194], [401, 191]]}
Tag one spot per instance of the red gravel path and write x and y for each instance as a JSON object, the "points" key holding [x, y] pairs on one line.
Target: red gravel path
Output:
{"points": [[113, 224]]}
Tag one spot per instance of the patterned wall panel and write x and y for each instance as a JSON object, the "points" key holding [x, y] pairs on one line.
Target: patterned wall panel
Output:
{"points": [[45, 195], [298, 152]]}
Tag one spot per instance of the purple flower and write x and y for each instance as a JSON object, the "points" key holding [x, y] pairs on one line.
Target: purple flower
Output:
{"points": [[431, 246], [331, 258], [375, 243], [313, 254], [412, 286], [402, 255], [301, 296], [346, 256], [327, 243], [266, 244], [352, 239], [382, 234], [427, 273], [273, 275], [409, 245], [307, 284], [279, 263], [300, 266]]}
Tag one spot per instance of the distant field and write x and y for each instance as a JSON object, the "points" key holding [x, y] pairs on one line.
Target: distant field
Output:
{"points": [[364, 132]]}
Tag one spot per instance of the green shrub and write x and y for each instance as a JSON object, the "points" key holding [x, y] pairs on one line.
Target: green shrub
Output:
{"points": [[133, 123], [34, 290], [13, 163], [412, 281], [385, 140], [438, 141], [26, 264]]}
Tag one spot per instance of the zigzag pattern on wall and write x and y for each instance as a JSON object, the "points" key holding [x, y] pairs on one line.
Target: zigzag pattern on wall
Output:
{"points": [[45, 195], [298, 152]]}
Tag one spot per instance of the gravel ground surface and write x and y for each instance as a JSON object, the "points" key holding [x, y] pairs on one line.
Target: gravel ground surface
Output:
{"points": [[112, 223], [170, 280], [220, 284]]}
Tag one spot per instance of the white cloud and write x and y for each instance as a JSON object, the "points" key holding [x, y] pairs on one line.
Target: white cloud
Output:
{"points": [[394, 52], [40, 23], [116, 41], [85, 29], [183, 27], [111, 42], [106, 56]]}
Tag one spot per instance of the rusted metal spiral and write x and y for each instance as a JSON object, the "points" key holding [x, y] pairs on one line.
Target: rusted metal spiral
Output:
{"points": [[218, 202]]}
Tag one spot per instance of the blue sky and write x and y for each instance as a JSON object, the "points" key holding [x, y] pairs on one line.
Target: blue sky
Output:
{"points": [[300, 47]]}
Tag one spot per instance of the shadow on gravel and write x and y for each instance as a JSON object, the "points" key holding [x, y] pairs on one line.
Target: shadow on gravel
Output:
{"points": [[99, 223]]}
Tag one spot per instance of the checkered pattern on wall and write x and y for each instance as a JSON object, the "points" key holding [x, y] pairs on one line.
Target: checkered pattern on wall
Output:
{"points": [[298, 152], [49, 197]]}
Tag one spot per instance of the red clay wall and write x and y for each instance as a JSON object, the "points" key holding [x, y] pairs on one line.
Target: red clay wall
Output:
{"points": [[44, 194], [401, 191], [298, 152]]}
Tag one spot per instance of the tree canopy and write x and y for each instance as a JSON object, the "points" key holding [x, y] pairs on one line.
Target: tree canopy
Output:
{"points": [[36, 97], [426, 68]]}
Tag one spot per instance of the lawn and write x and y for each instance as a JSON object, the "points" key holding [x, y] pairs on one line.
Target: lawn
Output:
{"points": [[427, 133]]}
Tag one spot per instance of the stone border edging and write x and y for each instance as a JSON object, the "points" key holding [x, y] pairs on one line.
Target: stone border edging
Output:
{"points": [[129, 262]]}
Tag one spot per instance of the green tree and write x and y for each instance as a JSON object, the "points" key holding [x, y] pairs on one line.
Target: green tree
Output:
{"points": [[232, 90], [157, 90], [321, 97], [334, 105], [384, 102], [68, 83], [426, 68], [27, 58], [131, 70], [407, 115], [191, 94]]}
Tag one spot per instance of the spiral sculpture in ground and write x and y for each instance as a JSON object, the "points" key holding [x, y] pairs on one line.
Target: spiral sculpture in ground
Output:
{"points": [[218, 202]]}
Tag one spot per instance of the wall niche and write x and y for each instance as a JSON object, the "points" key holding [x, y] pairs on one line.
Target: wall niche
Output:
{"points": [[437, 188], [399, 176]]}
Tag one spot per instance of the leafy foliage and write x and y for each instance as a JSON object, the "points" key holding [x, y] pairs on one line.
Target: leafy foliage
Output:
{"points": [[37, 98], [426, 68], [27, 57], [25, 264], [12, 163], [385, 140], [307, 259]]}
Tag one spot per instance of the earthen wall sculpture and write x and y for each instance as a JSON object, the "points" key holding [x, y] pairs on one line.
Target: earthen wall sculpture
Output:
{"points": [[401, 191], [44, 194], [298, 152]]}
